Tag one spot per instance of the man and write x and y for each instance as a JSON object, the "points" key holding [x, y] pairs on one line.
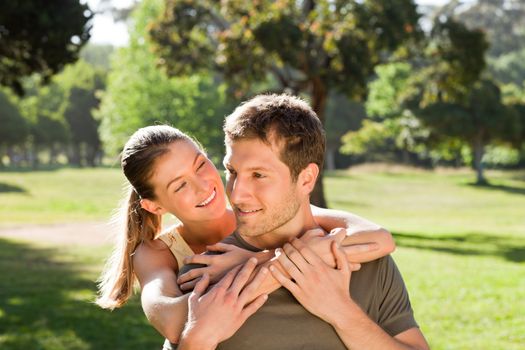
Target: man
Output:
{"points": [[275, 148]]}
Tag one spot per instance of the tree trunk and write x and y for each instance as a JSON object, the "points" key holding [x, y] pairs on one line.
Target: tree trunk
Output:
{"points": [[478, 149], [329, 159], [319, 99], [14, 159], [54, 149], [32, 156], [74, 157]]}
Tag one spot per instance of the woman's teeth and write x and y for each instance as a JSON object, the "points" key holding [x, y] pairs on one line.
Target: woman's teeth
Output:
{"points": [[207, 200]]}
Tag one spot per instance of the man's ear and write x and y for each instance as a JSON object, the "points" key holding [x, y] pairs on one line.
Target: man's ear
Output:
{"points": [[152, 207], [308, 177]]}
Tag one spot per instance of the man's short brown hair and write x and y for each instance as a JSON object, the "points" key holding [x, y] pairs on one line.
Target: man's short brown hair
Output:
{"points": [[287, 121]]}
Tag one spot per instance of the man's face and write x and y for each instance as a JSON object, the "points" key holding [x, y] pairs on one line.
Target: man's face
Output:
{"points": [[260, 188]]}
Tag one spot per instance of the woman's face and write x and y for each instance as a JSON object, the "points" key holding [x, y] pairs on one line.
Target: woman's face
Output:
{"points": [[187, 184]]}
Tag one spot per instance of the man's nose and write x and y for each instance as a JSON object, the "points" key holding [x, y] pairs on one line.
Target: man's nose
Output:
{"points": [[239, 190]]}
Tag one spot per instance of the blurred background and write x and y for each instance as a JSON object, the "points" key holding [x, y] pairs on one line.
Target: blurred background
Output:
{"points": [[423, 103]]}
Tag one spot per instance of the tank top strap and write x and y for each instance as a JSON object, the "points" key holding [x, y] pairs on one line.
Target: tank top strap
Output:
{"points": [[177, 245]]}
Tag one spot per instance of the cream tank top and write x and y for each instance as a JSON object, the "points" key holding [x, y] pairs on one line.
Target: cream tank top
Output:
{"points": [[177, 245]]}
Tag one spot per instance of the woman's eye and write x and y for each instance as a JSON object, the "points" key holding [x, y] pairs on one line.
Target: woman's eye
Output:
{"points": [[201, 165], [258, 175], [180, 187]]}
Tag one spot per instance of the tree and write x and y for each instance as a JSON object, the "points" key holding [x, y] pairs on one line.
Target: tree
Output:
{"points": [[503, 21], [40, 36], [14, 128], [80, 84], [453, 99], [509, 68], [308, 46], [140, 94], [390, 132], [342, 115]]}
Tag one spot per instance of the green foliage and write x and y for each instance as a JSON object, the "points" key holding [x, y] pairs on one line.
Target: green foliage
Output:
{"points": [[388, 140], [140, 94], [509, 68], [460, 56], [373, 138], [334, 45], [40, 36], [502, 20], [14, 126], [385, 91], [393, 130], [500, 157], [97, 55], [452, 98], [342, 115]]}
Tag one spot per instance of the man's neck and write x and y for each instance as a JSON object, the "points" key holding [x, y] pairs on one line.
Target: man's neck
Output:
{"points": [[301, 223]]}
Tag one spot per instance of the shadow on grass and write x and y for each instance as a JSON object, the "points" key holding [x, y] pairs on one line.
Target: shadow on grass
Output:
{"points": [[504, 188], [45, 304], [508, 248], [5, 188]]}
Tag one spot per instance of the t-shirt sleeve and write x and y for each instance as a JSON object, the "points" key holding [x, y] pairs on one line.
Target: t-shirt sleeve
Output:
{"points": [[395, 311]]}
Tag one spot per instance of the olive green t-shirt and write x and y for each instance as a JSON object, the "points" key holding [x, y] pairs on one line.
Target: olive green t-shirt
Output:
{"points": [[283, 323]]}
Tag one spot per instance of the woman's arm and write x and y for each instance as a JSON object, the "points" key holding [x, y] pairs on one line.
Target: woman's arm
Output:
{"points": [[365, 241], [219, 259], [162, 301]]}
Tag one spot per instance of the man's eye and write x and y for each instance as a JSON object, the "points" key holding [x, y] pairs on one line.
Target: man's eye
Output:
{"points": [[258, 175], [201, 165], [180, 187]]}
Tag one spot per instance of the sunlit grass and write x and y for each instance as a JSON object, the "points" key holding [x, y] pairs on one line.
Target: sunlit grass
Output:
{"points": [[461, 249], [61, 195]]}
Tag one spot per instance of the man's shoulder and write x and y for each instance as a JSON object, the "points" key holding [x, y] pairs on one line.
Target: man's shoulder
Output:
{"points": [[377, 272]]}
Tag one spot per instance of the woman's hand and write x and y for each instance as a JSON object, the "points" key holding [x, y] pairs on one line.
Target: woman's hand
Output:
{"points": [[217, 265], [320, 288], [320, 244], [216, 315]]}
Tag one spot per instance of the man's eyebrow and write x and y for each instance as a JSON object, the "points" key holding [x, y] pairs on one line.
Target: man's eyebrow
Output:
{"points": [[179, 177], [258, 168]]}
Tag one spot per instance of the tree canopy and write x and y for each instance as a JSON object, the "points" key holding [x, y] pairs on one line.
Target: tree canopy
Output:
{"points": [[40, 36], [311, 47]]}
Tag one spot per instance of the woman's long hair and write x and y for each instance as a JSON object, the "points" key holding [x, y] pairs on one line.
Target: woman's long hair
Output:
{"points": [[138, 225]]}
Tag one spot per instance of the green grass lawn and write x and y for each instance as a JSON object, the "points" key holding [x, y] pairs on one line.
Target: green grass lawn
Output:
{"points": [[461, 250], [61, 195]]}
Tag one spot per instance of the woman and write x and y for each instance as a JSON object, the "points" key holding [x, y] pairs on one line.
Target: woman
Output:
{"points": [[169, 172]]}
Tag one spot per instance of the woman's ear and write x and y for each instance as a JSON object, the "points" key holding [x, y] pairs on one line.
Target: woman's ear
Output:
{"points": [[152, 207], [308, 177]]}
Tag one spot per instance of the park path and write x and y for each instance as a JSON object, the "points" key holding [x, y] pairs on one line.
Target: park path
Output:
{"points": [[79, 233]]}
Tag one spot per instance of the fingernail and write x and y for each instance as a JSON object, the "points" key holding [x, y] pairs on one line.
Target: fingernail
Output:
{"points": [[272, 268], [264, 270], [253, 260]]}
